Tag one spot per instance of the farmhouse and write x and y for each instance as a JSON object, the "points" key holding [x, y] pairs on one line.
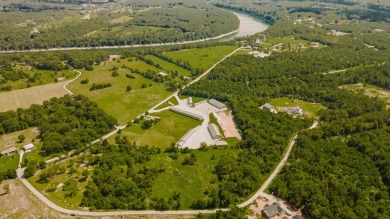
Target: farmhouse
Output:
{"points": [[9, 151], [185, 138], [217, 104], [186, 113], [269, 107], [293, 111], [214, 131], [28, 148]]}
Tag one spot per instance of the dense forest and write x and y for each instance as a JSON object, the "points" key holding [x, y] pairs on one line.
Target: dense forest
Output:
{"points": [[169, 21], [65, 124]]}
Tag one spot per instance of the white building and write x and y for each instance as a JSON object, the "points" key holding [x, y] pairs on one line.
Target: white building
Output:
{"points": [[28, 148]]}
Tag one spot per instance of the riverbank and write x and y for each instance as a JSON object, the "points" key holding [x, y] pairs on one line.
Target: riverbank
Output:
{"points": [[124, 46]]}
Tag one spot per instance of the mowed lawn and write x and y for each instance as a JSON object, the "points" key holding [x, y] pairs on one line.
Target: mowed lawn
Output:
{"points": [[24, 98], [9, 162], [201, 58], [309, 109], [190, 181], [168, 103], [169, 129], [167, 66], [11, 139], [115, 100]]}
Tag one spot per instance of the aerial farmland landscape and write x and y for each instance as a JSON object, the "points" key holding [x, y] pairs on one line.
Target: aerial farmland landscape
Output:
{"points": [[195, 109]]}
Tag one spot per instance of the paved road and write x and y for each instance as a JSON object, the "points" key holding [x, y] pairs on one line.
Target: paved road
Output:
{"points": [[119, 47], [260, 192]]}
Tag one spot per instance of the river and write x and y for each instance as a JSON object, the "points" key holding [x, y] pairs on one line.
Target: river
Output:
{"points": [[249, 25]]}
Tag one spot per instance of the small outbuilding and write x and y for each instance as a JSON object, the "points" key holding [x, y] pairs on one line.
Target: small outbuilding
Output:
{"points": [[269, 107], [217, 104], [185, 138], [9, 151], [189, 101], [214, 131], [28, 148]]}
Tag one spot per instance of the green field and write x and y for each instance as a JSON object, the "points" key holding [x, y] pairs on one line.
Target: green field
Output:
{"points": [[371, 91], [9, 162], [194, 99], [58, 196], [41, 77], [115, 100], [309, 109], [242, 52], [169, 130], [190, 181], [286, 40], [169, 66], [167, 103], [201, 58], [11, 139]]}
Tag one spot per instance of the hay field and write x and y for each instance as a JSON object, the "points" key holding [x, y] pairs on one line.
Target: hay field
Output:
{"points": [[24, 98]]}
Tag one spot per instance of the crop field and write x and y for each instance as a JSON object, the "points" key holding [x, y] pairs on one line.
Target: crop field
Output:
{"points": [[115, 100], [11, 139], [201, 58], [309, 109], [24, 98], [169, 66], [9, 162], [190, 181], [169, 130]]}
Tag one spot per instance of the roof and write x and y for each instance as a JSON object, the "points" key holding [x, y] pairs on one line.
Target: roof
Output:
{"points": [[271, 211], [186, 137], [162, 74], [9, 150], [217, 104], [28, 146], [221, 143], [294, 110], [297, 217], [268, 106], [186, 112], [214, 131]]}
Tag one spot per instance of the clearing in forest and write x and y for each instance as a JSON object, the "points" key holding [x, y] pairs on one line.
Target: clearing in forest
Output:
{"points": [[309, 109], [371, 91], [11, 139]]}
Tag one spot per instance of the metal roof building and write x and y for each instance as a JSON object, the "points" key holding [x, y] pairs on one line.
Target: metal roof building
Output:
{"points": [[217, 104], [214, 131], [28, 147], [186, 137], [186, 113]]}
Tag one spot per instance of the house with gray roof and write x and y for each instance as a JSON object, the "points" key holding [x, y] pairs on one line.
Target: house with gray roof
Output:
{"points": [[294, 111], [273, 210], [269, 107]]}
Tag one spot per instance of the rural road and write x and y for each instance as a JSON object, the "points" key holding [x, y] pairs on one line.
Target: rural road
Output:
{"points": [[260, 192], [120, 47], [79, 74]]}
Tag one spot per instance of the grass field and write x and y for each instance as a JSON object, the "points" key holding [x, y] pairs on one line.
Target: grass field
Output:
{"points": [[11, 139], [371, 91], [115, 100], [23, 98], [58, 196], [242, 52], [167, 103], [9, 162], [309, 109], [202, 58], [121, 19], [169, 130], [194, 99], [190, 181], [169, 66]]}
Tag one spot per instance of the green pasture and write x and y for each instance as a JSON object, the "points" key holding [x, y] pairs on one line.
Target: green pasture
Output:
{"points": [[201, 58], [9, 162], [169, 66], [309, 109], [169, 130]]}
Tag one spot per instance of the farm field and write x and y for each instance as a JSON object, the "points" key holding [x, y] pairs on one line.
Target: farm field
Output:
{"points": [[309, 109], [11, 139], [9, 162], [201, 58], [115, 100], [169, 130], [191, 181], [169, 66], [24, 98]]}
